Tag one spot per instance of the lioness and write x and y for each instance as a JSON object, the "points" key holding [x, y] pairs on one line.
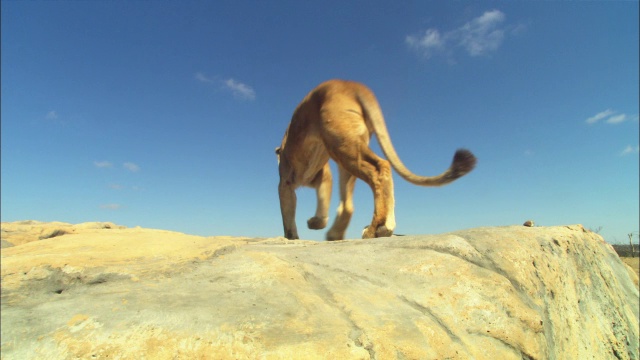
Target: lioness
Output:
{"points": [[336, 120]]}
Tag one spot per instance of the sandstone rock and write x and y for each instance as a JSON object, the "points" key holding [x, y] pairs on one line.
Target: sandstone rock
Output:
{"points": [[21, 232], [487, 293], [5, 244]]}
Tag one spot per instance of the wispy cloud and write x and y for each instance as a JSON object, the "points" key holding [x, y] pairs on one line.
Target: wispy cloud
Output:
{"points": [[102, 164], [611, 117], [110, 206], [477, 37], [131, 167], [630, 150], [107, 164], [599, 116], [51, 115], [617, 119], [203, 78], [238, 89], [482, 34], [429, 43]]}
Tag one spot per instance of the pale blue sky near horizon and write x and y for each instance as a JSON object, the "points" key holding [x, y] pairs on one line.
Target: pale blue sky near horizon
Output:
{"points": [[165, 114]]}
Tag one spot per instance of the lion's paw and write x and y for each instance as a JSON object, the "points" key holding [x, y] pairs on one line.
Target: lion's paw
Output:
{"points": [[334, 236], [316, 223], [381, 231]]}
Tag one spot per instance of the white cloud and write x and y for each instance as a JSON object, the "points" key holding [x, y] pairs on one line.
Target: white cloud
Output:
{"points": [[611, 116], [477, 37], [110, 206], [203, 78], [51, 115], [131, 167], [599, 116], [102, 164], [482, 34], [630, 150], [428, 43], [617, 119], [240, 90]]}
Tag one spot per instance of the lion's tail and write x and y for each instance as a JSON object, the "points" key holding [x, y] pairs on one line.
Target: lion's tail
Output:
{"points": [[463, 160]]}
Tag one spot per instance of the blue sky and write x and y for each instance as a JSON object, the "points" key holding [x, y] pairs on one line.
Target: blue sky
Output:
{"points": [[165, 114]]}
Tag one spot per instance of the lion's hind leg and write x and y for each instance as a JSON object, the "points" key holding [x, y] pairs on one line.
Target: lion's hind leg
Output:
{"points": [[322, 183], [345, 209], [376, 172]]}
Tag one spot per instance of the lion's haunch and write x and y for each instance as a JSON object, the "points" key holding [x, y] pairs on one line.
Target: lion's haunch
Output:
{"points": [[336, 120]]}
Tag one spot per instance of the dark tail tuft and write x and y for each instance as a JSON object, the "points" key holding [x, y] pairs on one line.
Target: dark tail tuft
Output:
{"points": [[463, 162]]}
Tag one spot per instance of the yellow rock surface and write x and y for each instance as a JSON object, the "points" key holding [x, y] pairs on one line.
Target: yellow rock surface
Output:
{"points": [[515, 292]]}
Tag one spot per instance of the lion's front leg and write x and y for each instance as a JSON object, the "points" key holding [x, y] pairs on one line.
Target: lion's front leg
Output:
{"points": [[287, 195], [322, 183]]}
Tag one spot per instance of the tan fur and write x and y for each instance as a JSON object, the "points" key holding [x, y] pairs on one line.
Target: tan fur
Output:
{"points": [[336, 120]]}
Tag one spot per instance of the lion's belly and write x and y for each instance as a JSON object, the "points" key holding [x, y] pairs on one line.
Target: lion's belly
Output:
{"points": [[314, 157]]}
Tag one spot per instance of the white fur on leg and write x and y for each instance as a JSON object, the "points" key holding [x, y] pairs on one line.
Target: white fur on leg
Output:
{"points": [[390, 224]]}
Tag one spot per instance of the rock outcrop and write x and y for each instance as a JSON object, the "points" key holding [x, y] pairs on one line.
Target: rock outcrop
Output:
{"points": [[488, 293], [22, 232]]}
